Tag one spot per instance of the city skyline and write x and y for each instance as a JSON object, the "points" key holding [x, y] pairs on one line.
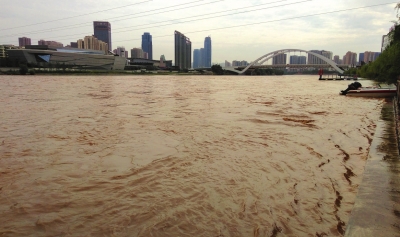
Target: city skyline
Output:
{"points": [[336, 26]]}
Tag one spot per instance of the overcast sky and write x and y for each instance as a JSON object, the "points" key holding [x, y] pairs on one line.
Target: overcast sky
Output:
{"points": [[239, 30]]}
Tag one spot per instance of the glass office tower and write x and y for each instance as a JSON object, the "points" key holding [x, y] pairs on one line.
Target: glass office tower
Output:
{"points": [[147, 44], [102, 31], [207, 52]]}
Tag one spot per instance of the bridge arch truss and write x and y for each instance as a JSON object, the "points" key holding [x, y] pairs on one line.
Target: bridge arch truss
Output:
{"points": [[259, 61]]}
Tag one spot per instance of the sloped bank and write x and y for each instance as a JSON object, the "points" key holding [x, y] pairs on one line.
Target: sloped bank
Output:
{"points": [[376, 211]]}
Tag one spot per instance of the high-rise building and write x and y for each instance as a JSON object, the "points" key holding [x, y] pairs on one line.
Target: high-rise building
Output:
{"points": [[370, 56], [147, 44], [386, 39], [183, 51], [80, 44], [336, 59], [50, 43], [91, 42], [361, 58], [120, 51], [207, 52], [227, 64], [202, 58], [302, 60], [23, 41], [236, 63], [295, 59], [326, 54], [350, 58], [312, 59], [102, 31], [279, 59], [136, 53], [196, 58]]}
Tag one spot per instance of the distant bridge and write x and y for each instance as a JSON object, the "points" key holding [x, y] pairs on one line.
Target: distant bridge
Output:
{"points": [[286, 66], [259, 62]]}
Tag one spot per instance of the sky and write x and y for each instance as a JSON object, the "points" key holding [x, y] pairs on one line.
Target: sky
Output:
{"points": [[239, 30]]}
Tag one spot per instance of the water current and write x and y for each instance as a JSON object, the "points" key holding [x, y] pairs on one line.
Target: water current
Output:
{"points": [[180, 155]]}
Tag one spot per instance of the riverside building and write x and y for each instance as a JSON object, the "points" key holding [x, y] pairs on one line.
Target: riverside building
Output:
{"points": [[183, 51], [47, 56]]}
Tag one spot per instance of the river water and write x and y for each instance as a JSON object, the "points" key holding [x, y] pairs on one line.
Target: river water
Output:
{"points": [[180, 155]]}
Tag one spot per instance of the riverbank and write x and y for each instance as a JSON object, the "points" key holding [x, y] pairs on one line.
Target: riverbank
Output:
{"points": [[376, 211]]}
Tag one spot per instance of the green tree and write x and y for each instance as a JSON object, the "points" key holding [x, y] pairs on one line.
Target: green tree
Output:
{"points": [[23, 69], [217, 69]]}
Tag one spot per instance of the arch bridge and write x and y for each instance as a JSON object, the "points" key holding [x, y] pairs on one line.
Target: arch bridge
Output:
{"points": [[259, 61]]}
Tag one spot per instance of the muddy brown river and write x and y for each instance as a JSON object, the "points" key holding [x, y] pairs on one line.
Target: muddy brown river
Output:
{"points": [[180, 155]]}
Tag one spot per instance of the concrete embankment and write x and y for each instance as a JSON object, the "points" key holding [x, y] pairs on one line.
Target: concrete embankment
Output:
{"points": [[376, 211]]}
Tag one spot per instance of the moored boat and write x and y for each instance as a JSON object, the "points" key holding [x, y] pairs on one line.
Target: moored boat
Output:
{"points": [[371, 92]]}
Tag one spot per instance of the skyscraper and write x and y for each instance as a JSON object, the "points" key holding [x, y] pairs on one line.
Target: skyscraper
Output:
{"points": [[102, 31], [207, 52], [24, 41], [183, 51], [202, 61], [196, 58], [147, 45]]}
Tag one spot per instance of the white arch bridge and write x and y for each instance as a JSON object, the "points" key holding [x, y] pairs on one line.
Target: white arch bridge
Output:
{"points": [[261, 60]]}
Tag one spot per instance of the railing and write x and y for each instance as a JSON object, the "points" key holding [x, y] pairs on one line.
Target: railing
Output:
{"points": [[338, 77]]}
